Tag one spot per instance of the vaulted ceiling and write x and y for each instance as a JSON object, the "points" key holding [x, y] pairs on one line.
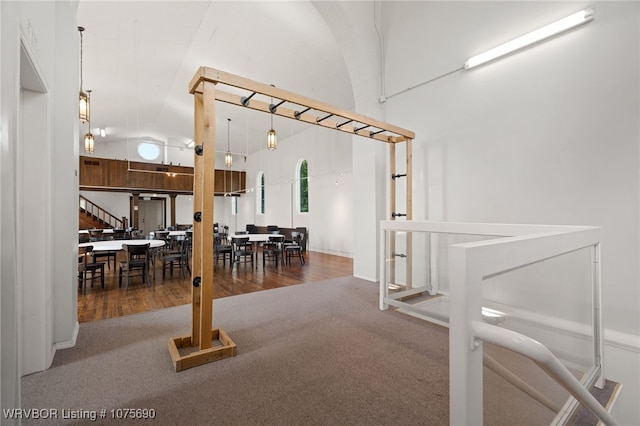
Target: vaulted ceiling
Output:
{"points": [[138, 58]]}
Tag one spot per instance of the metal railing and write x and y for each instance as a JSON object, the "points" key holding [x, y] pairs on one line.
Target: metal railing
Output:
{"points": [[470, 266]]}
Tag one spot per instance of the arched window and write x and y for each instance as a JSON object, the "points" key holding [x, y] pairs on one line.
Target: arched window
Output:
{"points": [[260, 193], [302, 172]]}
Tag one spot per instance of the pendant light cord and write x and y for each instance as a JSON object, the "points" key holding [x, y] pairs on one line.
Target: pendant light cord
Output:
{"points": [[81, 29]]}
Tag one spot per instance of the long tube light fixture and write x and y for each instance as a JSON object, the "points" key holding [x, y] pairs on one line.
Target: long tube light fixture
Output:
{"points": [[564, 24]]}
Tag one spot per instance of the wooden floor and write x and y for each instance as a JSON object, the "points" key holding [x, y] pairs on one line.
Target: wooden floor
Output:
{"points": [[96, 303]]}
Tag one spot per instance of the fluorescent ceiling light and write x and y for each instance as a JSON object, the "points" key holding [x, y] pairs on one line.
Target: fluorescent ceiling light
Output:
{"points": [[540, 34]]}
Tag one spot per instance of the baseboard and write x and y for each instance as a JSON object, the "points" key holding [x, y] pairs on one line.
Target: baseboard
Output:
{"points": [[333, 252], [69, 343], [626, 341], [373, 280]]}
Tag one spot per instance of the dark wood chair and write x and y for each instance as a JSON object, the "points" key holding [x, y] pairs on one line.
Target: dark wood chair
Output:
{"points": [[95, 234], [137, 259], [109, 255], [272, 250], [222, 248], [242, 250], [96, 270], [295, 248], [178, 259], [164, 236]]}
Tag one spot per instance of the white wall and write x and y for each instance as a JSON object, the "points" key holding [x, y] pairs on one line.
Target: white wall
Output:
{"points": [[38, 130], [354, 26], [549, 135], [330, 216]]}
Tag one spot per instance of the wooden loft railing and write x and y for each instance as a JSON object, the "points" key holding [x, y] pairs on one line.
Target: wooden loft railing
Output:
{"points": [[100, 215], [103, 174]]}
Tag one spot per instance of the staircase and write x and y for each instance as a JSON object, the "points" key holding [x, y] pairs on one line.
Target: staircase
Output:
{"points": [[92, 216]]}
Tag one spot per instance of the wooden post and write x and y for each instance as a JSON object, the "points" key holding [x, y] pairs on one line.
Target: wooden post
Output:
{"points": [[173, 209], [202, 334], [409, 202], [207, 188], [198, 175], [134, 213], [392, 202]]}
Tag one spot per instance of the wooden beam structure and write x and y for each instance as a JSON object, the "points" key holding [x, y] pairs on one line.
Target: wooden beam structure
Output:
{"points": [[307, 110], [198, 349]]}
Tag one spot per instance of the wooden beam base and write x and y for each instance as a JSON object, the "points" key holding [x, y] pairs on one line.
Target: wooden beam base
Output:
{"points": [[227, 349]]}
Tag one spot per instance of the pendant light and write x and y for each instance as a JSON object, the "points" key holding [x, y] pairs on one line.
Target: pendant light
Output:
{"points": [[272, 137], [88, 138], [228, 158], [84, 103]]}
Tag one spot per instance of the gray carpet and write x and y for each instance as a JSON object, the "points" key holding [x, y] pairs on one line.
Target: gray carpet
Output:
{"points": [[318, 353]]}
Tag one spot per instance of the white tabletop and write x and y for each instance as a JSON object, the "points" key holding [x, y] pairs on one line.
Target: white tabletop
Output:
{"points": [[114, 245], [172, 233], [104, 231]]}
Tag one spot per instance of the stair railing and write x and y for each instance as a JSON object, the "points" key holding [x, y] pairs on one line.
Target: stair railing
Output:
{"points": [[461, 307], [101, 214], [546, 360]]}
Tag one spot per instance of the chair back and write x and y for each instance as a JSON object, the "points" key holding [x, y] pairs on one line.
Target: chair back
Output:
{"points": [[84, 237], [119, 234], [161, 235], [95, 234], [136, 252], [219, 240], [83, 254], [241, 243], [185, 246]]}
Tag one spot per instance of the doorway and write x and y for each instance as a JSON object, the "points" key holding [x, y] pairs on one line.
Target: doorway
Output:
{"points": [[151, 214]]}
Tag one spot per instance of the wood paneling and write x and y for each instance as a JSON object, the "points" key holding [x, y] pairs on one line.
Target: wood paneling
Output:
{"points": [[130, 176], [230, 182]]}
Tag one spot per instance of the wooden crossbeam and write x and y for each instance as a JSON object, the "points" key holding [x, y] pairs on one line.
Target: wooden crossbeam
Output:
{"points": [[395, 133]]}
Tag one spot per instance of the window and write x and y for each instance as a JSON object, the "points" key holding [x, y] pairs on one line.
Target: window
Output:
{"points": [[260, 193], [234, 206], [148, 151], [303, 186]]}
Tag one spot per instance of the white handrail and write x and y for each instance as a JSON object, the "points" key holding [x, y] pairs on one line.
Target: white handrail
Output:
{"points": [[545, 359], [469, 266]]}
